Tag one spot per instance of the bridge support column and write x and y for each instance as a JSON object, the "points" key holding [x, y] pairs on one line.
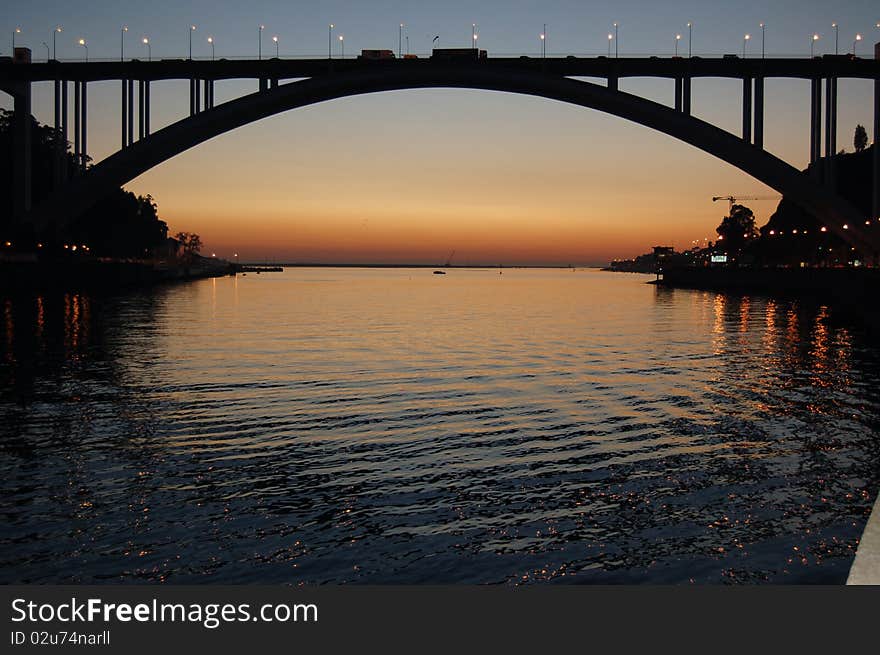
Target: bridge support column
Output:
{"points": [[124, 114], [21, 137], [877, 139], [207, 89], [264, 83], [84, 124], [140, 109], [815, 124], [64, 119], [747, 110], [612, 83], [60, 146], [830, 130], [273, 83], [146, 107], [198, 89], [759, 113], [192, 97], [678, 94], [686, 100], [130, 112], [76, 122]]}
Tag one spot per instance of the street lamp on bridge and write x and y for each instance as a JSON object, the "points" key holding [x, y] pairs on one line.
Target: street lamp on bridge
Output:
{"points": [[543, 37], [17, 30], [330, 40], [149, 49], [399, 40], [762, 39], [746, 40], [690, 37], [855, 41], [677, 39], [82, 42], [342, 46], [275, 41], [614, 25], [211, 41], [122, 32], [836, 35], [260, 42], [192, 28], [813, 40], [47, 51], [54, 33], [610, 39]]}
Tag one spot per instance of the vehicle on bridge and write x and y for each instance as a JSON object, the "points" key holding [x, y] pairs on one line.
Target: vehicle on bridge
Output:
{"points": [[447, 54], [376, 54]]}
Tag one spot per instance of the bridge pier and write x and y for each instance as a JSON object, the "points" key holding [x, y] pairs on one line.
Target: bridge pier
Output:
{"points": [[815, 124], [758, 135], [209, 94], [22, 151], [830, 130], [264, 84], [60, 143], [130, 112], [140, 110], [124, 114], [686, 101], [147, 107], [747, 110], [76, 120], [679, 87], [83, 126], [612, 82]]}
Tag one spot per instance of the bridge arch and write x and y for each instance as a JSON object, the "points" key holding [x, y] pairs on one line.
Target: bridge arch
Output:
{"points": [[125, 165]]}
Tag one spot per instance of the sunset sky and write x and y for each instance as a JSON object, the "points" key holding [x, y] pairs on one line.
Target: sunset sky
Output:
{"points": [[410, 176]]}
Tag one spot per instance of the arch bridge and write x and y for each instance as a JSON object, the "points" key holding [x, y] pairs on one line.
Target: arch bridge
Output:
{"points": [[282, 85]]}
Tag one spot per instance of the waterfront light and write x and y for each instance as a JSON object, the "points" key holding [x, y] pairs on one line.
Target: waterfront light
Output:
{"points": [[823, 229], [845, 226], [54, 33], [82, 42]]}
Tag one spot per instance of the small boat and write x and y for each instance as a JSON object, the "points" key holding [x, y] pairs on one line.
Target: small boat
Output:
{"points": [[439, 272]]}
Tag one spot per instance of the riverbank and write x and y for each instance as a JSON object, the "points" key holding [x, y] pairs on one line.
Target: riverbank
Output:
{"points": [[853, 287], [29, 273]]}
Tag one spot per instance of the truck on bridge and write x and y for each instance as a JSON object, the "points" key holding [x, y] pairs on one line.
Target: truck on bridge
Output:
{"points": [[447, 54], [376, 54]]}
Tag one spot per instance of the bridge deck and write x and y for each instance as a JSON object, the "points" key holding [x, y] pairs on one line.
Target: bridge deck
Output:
{"points": [[604, 67]]}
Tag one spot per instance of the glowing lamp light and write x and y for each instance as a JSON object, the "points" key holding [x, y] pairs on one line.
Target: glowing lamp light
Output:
{"points": [[772, 232], [845, 226]]}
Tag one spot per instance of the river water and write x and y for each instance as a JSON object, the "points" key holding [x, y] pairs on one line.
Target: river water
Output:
{"points": [[394, 426]]}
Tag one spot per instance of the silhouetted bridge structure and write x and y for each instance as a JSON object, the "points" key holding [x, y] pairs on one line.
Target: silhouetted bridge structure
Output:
{"points": [[284, 84]]}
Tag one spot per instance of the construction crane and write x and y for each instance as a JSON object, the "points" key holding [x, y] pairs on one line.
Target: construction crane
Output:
{"points": [[733, 199]]}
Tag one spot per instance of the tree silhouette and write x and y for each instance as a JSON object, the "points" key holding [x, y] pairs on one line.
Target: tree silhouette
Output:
{"points": [[737, 230], [191, 244], [860, 139]]}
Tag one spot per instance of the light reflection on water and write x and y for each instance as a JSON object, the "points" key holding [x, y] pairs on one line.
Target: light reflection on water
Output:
{"points": [[356, 425]]}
